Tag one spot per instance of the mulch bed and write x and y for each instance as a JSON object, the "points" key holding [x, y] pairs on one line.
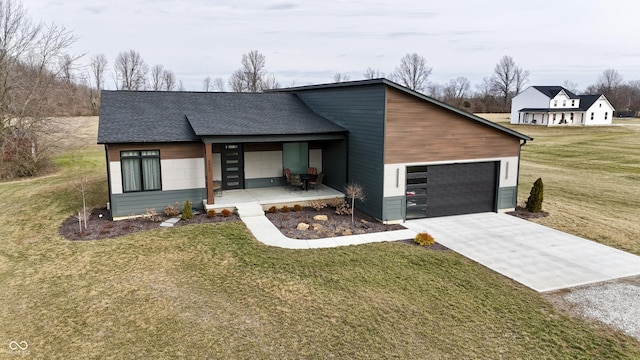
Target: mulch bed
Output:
{"points": [[100, 227], [524, 214], [335, 225]]}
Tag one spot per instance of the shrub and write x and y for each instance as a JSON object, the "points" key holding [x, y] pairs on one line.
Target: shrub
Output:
{"points": [[171, 211], [317, 205], [285, 209], [297, 207], [424, 239], [211, 213], [534, 202], [272, 210], [151, 214], [226, 212], [187, 213]]}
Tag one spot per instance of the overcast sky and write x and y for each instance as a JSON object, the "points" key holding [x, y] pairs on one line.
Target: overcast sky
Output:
{"points": [[307, 42]]}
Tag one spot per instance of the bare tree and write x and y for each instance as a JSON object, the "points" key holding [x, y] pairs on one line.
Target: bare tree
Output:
{"points": [[157, 77], [435, 91], [218, 84], [206, 84], [340, 77], [169, 81], [570, 85], [610, 84], [372, 73], [269, 82], [456, 91], [32, 62], [130, 71], [412, 72], [508, 78], [609, 80], [251, 76], [97, 67]]}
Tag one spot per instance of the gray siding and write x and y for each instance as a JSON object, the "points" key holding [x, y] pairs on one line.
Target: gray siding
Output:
{"points": [[393, 208], [361, 110], [136, 203], [507, 197], [334, 164], [264, 182]]}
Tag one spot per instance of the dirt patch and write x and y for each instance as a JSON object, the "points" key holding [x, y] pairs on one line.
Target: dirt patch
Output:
{"points": [[335, 225], [100, 227], [523, 213]]}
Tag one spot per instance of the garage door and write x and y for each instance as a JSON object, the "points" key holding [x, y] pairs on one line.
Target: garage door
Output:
{"points": [[452, 189]]}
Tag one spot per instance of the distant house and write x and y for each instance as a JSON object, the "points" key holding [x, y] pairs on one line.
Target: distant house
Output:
{"points": [[555, 105], [413, 155]]}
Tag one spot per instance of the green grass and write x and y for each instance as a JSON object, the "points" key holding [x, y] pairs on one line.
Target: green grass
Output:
{"points": [[591, 179], [213, 291]]}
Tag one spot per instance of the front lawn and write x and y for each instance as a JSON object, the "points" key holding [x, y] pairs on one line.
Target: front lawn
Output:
{"points": [[213, 291]]}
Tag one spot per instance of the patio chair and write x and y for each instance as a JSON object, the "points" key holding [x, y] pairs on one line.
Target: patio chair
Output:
{"points": [[312, 170], [287, 174], [296, 183], [317, 182]]}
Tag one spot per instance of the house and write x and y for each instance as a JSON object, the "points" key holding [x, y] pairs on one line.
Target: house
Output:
{"points": [[555, 105], [413, 155]]}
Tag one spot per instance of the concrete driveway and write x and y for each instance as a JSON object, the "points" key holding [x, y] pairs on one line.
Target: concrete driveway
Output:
{"points": [[536, 256]]}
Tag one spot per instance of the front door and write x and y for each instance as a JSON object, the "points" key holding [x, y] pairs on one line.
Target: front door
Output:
{"points": [[232, 159]]}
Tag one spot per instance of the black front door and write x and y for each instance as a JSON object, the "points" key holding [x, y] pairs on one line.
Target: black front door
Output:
{"points": [[232, 167]]}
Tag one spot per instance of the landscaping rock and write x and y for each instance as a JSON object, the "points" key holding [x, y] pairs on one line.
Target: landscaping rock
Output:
{"points": [[302, 226], [316, 227], [321, 218], [347, 232]]}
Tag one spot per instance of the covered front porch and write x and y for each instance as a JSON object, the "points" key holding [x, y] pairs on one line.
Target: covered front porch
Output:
{"points": [[270, 196]]}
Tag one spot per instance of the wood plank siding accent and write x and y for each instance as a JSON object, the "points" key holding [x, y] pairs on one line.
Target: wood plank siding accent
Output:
{"points": [[419, 132], [167, 150]]}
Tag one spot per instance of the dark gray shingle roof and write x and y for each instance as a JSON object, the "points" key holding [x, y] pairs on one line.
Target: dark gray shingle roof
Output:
{"points": [[144, 116], [587, 100], [552, 91]]}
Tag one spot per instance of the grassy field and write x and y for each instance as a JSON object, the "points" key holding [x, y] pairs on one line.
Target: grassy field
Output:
{"points": [[591, 177], [213, 291]]}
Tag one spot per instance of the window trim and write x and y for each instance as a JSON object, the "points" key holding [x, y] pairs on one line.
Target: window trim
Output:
{"points": [[140, 157]]}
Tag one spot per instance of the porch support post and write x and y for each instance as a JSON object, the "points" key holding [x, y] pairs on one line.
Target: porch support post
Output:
{"points": [[208, 160]]}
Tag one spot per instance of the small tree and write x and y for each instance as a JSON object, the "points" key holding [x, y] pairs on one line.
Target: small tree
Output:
{"points": [[187, 213], [534, 202], [355, 192]]}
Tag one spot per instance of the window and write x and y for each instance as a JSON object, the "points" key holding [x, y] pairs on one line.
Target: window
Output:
{"points": [[605, 115], [555, 103], [140, 170], [592, 116], [564, 103], [573, 103], [554, 116], [571, 117]]}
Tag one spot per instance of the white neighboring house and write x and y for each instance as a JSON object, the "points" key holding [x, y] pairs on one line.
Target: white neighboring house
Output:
{"points": [[555, 105]]}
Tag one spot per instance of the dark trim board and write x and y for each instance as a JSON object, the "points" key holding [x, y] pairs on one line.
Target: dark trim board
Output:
{"points": [[136, 203]]}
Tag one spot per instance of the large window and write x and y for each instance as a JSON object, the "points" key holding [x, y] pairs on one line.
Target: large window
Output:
{"points": [[140, 170]]}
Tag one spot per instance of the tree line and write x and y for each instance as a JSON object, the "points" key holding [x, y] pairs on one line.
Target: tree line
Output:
{"points": [[39, 79]]}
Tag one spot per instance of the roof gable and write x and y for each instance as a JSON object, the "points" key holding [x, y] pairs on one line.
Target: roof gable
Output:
{"points": [[552, 91], [386, 82]]}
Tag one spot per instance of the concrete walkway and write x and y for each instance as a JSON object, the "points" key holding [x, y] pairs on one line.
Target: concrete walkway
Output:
{"points": [[264, 230], [536, 256]]}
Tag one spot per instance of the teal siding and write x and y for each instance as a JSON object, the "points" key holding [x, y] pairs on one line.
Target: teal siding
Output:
{"points": [[507, 197], [393, 208], [361, 110], [334, 164], [137, 203], [264, 182]]}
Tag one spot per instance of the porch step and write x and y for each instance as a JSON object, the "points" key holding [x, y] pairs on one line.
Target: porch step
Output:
{"points": [[246, 210]]}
